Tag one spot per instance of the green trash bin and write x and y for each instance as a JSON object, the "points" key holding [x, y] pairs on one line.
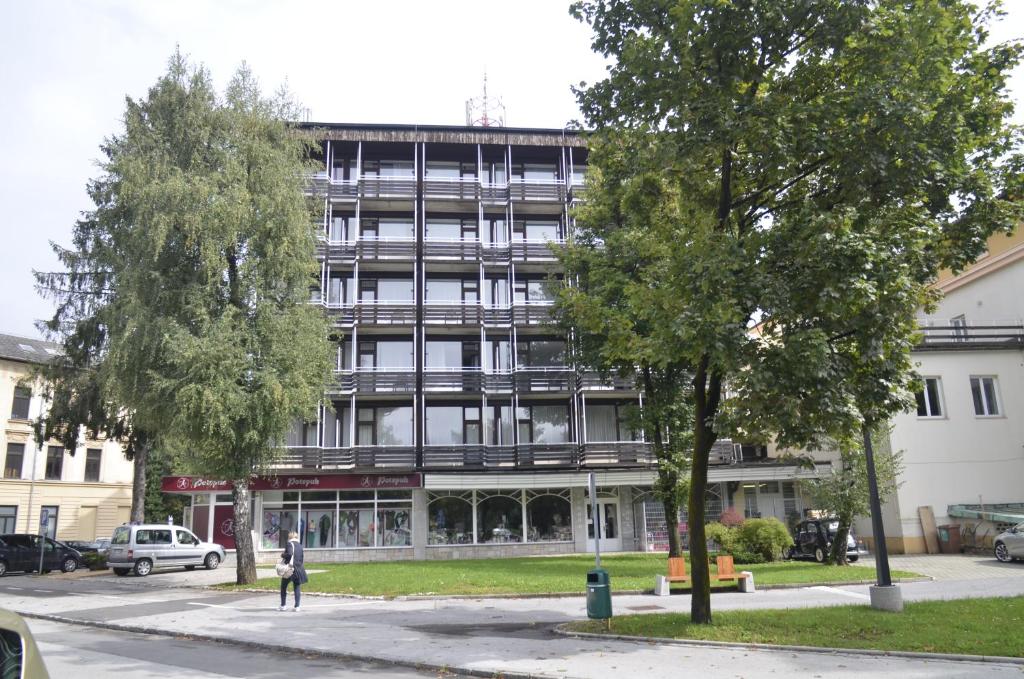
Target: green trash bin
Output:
{"points": [[599, 594]]}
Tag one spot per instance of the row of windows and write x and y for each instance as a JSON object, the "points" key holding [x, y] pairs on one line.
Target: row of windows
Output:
{"points": [[984, 394], [493, 231], [14, 461], [448, 354], [492, 172], [9, 522], [342, 290], [462, 424]]}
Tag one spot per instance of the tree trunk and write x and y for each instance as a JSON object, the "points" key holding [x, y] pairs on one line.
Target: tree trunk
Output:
{"points": [[139, 461], [837, 555], [245, 557], [707, 393], [675, 545]]}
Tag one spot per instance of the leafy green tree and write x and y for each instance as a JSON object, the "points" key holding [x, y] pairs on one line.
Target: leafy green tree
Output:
{"points": [[843, 493], [805, 167], [197, 259]]}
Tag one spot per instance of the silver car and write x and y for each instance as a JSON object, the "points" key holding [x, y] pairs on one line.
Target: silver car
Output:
{"points": [[143, 547], [1010, 545]]}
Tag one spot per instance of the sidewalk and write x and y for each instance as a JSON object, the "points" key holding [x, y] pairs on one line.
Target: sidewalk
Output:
{"points": [[487, 637]]}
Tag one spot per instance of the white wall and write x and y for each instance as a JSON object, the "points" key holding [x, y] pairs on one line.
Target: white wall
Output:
{"points": [[994, 297]]}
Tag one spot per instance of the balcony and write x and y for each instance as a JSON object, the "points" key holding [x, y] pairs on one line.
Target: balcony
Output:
{"points": [[390, 188], [554, 378], [373, 313], [593, 381], [535, 250], [532, 312], [547, 455], [617, 453], [958, 334], [452, 313], [452, 249], [496, 253], [536, 190], [451, 188], [335, 250], [387, 247], [374, 381], [453, 379], [497, 315], [357, 457]]}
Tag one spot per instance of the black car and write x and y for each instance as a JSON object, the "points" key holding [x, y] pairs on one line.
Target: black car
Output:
{"points": [[813, 540], [100, 545], [20, 552]]}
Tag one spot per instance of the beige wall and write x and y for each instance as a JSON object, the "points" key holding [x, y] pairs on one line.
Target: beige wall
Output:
{"points": [[86, 510]]}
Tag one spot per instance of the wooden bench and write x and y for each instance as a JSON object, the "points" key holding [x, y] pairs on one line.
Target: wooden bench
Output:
{"points": [[726, 572]]}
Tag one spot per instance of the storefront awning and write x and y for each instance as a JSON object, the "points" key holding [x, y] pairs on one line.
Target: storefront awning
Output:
{"points": [[198, 484]]}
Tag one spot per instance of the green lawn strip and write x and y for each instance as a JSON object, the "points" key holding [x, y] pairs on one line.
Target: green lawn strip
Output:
{"points": [[969, 626], [537, 575]]}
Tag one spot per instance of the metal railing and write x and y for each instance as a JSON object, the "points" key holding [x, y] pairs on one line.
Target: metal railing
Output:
{"points": [[960, 334]]}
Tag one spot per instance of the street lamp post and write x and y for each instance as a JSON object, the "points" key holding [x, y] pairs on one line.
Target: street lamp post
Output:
{"points": [[884, 596]]}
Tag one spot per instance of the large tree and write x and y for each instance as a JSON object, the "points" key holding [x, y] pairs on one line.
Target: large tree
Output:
{"points": [[812, 163], [198, 259]]}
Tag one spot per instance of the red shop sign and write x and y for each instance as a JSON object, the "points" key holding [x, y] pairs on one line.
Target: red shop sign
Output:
{"points": [[189, 484]]}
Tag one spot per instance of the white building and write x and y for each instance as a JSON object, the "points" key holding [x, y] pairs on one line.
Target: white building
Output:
{"points": [[964, 445]]}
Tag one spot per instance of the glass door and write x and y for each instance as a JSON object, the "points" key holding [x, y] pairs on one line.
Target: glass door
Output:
{"points": [[608, 511]]}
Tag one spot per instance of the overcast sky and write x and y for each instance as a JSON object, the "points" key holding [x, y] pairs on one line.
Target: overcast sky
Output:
{"points": [[66, 66]]}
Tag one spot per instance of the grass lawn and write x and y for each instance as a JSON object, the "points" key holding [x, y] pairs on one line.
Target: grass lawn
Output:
{"points": [[538, 575], [971, 626]]}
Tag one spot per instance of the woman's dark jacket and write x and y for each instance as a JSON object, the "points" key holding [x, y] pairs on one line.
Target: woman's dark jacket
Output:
{"points": [[299, 571]]}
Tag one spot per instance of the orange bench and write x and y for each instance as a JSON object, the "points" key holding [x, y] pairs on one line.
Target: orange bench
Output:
{"points": [[677, 573]]}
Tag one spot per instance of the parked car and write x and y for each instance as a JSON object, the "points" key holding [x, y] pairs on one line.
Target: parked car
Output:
{"points": [[1009, 545], [814, 537], [143, 547], [86, 546], [19, 655], [21, 553]]}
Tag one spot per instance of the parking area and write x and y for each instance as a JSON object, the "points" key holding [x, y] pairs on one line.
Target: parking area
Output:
{"points": [[952, 566]]}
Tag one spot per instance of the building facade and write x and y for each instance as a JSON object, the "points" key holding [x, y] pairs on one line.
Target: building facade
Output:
{"points": [[85, 494], [457, 427], [964, 444]]}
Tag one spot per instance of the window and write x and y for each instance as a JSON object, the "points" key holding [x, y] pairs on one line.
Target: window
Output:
{"points": [[532, 290], [543, 424], [609, 422], [385, 354], [541, 353], [153, 536], [8, 518], [535, 231], [92, 464], [452, 354], [466, 290], [499, 516], [14, 460], [453, 425], [385, 289], [499, 425], [494, 231], [450, 520], [983, 391], [548, 516], [339, 291], [184, 537], [384, 426], [959, 326], [499, 354], [338, 229], [302, 434], [452, 229], [54, 462], [388, 168], [497, 291], [929, 403], [22, 397]]}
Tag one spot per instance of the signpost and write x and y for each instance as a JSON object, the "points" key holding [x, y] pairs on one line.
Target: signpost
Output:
{"points": [[44, 522]]}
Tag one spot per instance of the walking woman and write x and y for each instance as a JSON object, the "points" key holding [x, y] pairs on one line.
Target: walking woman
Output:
{"points": [[293, 555]]}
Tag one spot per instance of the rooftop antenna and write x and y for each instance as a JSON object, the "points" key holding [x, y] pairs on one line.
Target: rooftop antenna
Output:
{"points": [[484, 112]]}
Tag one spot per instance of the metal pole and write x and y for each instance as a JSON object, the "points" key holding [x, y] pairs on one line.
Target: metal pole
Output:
{"points": [[881, 551], [44, 520], [596, 522]]}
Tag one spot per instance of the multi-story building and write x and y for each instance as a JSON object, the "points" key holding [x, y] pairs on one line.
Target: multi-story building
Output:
{"points": [[963, 447], [456, 425], [85, 494]]}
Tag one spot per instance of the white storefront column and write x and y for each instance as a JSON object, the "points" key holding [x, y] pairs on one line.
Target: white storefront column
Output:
{"points": [[420, 523]]}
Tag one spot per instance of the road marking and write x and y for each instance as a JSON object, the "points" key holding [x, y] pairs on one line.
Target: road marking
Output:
{"points": [[843, 592], [120, 598]]}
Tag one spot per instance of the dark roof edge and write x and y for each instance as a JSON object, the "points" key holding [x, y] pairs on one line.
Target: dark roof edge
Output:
{"points": [[531, 136]]}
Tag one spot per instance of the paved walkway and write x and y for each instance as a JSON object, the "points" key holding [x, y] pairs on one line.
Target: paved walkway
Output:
{"points": [[513, 637], [953, 566]]}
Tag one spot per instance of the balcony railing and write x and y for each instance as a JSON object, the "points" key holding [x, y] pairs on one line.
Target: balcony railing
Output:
{"points": [[453, 313], [459, 249], [552, 378], [594, 381], [335, 249], [532, 312], [962, 335], [535, 249], [537, 190], [387, 247], [452, 188], [373, 313], [375, 380], [356, 457], [387, 187], [617, 453], [453, 379]]}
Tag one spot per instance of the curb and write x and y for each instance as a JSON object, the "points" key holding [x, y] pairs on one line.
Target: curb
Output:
{"points": [[959, 657], [282, 648]]}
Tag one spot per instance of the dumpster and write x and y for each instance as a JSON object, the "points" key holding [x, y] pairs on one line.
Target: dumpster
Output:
{"points": [[599, 594], [949, 538]]}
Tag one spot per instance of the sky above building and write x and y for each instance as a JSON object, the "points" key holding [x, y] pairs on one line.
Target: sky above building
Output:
{"points": [[66, 67]]}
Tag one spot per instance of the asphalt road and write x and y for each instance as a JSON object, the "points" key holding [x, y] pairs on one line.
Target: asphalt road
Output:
{"points": [[87, 653]]}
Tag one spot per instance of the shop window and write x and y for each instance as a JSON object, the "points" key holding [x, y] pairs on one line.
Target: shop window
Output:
{"points": [[450, 520], [499, 518], [548, 516], [277, 523], [393, 527]]}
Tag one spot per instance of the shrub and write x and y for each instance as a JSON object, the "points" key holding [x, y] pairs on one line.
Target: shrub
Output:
{"points": [[764, 537], [95, 561], [724, 536], [743, 557], [731, 517]]}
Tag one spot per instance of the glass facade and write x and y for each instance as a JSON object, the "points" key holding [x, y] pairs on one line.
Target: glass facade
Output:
{"points": [[337, 519]]}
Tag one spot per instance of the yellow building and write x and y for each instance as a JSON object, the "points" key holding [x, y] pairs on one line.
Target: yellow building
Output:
{"points": [[85, 494]]}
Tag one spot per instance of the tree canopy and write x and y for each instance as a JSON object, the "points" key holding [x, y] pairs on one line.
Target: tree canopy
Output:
{"points": [[186, 285], [781, 180]]}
